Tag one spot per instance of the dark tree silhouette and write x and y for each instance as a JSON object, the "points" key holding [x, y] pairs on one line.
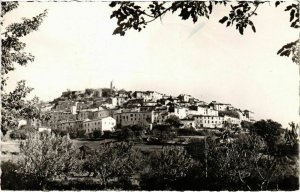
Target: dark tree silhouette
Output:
{"points": [[136, 15]]}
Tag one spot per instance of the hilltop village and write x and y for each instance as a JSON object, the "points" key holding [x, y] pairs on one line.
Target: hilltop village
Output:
{"points": [[106, 109]]}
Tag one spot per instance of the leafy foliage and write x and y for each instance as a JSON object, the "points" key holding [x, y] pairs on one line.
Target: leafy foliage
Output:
{"points": [[188, 132], [173, 121], [46, 156], [130, 15], [242, 162], [291, 49], [268, 130], [294, 14], [14, 105], [137, 16], [132, 133], [74, 132], [8, 6], [229, 113], [292, 135], [166, 167], [22, 133], [12, 48], [113, 161], [163, 132], [97, 133], [246, 124], [241, 14]]}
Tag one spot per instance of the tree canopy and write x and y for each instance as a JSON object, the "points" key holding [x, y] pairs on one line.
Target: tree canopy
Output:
{"points": [[13, 52], [137, 15]]}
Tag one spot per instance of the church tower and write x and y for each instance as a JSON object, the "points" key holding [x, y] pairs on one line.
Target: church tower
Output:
{"points": [[111, 85]]}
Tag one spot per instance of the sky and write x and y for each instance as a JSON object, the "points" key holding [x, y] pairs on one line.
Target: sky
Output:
{"points": [[74, 49]]}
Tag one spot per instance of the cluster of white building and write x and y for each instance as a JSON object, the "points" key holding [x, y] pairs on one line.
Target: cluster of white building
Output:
{"points": [[148, 108]]}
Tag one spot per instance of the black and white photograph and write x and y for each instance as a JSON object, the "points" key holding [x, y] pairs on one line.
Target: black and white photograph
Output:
{"points": [[150, 95]]}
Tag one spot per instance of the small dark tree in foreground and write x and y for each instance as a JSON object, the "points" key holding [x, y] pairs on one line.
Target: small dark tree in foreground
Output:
{"points": [[113, 162], [43, 157], [166, 167]]}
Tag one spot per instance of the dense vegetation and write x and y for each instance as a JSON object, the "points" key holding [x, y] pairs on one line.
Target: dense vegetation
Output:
{"points": [[266, 158], [14, 105]]}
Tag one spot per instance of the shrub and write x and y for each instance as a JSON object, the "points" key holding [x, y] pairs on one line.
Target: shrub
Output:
{"points": [[59, 132], [166, 168], [14, 179], [9, 175], [187, 132], [229, 113], [46, 156], [107, 134], [18, 134], [97, 133], [114, 161], [74, 184]]}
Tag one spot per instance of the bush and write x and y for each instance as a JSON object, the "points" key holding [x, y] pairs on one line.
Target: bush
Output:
{"points": [[112, 162], [173, 121], [13, 179], [163, 132], [19, 134], [9, 176], [196, 148], [75, 133], [97, 134], [46, 156], [126, 134], [107, 134], [187, 132], [74, 184], [229, 113], [59, 132], [166, 168]]}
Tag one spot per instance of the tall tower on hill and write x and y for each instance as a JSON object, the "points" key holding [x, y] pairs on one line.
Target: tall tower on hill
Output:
{"points": [[111, 85]]}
